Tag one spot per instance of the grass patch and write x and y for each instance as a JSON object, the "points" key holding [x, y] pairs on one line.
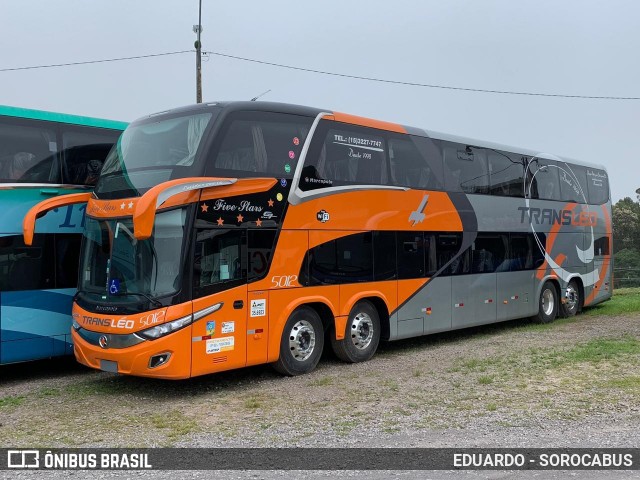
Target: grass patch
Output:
{"points": [[174, 423], [252, 403], [48, 392], [321, 382], [11, 401], [625, 383], [485, 379], [624, 300], [492, 407]]}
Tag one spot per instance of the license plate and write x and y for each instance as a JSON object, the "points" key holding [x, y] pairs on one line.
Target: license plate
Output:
{"points": [[109, 366]]}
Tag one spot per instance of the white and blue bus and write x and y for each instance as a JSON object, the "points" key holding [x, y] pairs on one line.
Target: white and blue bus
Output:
{"points": [[43, 155]]}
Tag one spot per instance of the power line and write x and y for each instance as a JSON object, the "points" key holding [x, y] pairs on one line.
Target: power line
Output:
{"points": [[95, 61], [415, 84], [334, 74]]}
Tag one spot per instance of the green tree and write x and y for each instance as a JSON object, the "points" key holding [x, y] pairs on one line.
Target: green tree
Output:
{"points": [[626, 225]]}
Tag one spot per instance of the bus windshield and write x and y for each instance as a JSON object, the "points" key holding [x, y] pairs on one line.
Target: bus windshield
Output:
{"points": [[116, 264], [153, 152]]}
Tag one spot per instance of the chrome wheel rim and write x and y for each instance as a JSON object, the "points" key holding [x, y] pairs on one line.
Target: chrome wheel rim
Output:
{"points": [[361, 331], [302, 340], [571, 297], [548, 302]]}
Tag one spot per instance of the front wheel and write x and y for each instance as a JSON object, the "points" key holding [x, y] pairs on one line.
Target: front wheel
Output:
{"points": [[547, 304], [573, 301], [361, 335], [301, 343]]}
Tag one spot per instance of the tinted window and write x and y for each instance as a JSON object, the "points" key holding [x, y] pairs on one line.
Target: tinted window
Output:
{"points": [[466, 168], [598, 186], [573, 183], [506, 171], [524, 252], [601, 245], [545, 181], [342, 154], [384, 255], [25, 267], [67, 258], [219, 262], [415, 162], [411, 253], [345, 260], [447, 248], [28, 152], [255, 143], [489, 253], [259, 250], [84, 154]]}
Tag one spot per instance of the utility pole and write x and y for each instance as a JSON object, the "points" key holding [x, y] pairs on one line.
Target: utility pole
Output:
{"points": [[198, 45]]}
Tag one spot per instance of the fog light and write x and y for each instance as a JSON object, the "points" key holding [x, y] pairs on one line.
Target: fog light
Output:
{"points": [[158, 360]]}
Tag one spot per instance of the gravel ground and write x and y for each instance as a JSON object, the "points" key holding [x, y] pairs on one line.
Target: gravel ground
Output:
{"points": [[508, 385]]}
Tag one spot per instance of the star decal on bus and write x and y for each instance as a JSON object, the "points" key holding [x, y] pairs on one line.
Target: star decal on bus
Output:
{"points": [[240, 218], [258, 222], [204, 207], [270, 203], [220, 221]]}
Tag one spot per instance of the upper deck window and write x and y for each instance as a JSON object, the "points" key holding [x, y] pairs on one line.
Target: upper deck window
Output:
{"points": [[152, 152], [598, 186], [467, 168], [258, 144], [343, 154], [28, 152]]}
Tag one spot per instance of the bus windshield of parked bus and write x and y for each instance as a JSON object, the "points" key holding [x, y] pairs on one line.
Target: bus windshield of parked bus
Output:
{"points": [[116, 264]]}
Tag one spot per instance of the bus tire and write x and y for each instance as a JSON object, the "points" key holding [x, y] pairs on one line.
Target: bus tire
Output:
{"points": [[361, 335], [301, 343], [547, 303], [573, 302]]}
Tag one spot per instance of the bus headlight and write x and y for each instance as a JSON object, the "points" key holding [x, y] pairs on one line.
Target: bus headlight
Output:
{"points": [[166, 328]]}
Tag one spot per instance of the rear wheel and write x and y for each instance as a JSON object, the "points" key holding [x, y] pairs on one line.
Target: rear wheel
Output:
{"points": [[361, 335], [573, 300], [301, 343], [547, 303]]}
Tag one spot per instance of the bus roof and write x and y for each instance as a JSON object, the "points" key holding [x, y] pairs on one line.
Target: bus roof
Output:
{"points": [[60, 117]]}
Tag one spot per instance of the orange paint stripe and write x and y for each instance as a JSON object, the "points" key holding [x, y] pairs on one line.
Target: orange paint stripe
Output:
{"points": [[367, 122], [551, 238], [606, 262]]}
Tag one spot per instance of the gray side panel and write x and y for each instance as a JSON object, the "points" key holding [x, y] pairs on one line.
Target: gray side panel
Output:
{"points": [[474, 299], [411, 327], [431, 304], [516, 295]]}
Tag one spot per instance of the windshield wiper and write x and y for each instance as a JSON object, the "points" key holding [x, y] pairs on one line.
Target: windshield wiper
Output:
{"points": [[152, 300]]}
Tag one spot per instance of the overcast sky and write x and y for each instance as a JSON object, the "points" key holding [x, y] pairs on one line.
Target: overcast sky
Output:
{"points": [[571, 47]]}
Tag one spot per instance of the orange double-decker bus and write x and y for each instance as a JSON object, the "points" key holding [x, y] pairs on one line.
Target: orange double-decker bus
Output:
{"points": [[232, 234]]}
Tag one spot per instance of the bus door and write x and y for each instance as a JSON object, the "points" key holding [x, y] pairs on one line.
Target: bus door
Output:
{"points": [[220, 305]]}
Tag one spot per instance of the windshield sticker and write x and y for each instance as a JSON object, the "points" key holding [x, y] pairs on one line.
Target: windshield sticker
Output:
{"points": [[292, 154], [270, 202], [211, 328], [283, 182], [114, 286], [296, 141], [228, 327], [279, 197], [358, 142], [259, 307], [287, 168], [217, 345]]}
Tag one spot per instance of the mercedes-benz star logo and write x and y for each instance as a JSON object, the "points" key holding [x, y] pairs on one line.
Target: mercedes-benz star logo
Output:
{"points": [[103, 341]]}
